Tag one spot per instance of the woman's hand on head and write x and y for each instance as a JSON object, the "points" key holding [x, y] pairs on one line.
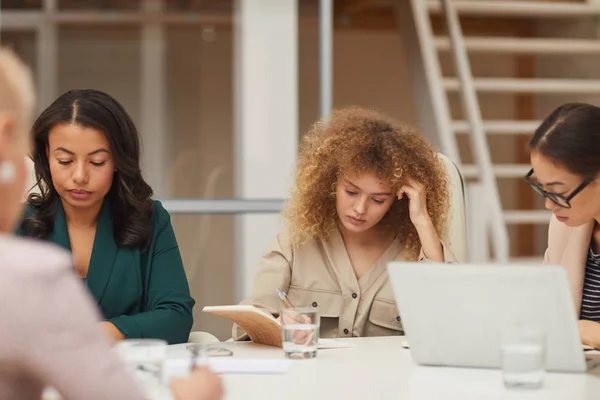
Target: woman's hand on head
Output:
{"points": [[417, 208], [417, 202]]}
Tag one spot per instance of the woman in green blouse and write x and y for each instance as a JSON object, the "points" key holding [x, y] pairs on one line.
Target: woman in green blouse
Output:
{"points": [[95, 203]]}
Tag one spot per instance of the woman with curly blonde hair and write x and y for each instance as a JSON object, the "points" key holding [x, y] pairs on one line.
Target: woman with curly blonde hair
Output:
{"points": [[368, 191]]}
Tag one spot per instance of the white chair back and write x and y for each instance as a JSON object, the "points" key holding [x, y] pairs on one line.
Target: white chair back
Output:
{"points": [[456, 237]]}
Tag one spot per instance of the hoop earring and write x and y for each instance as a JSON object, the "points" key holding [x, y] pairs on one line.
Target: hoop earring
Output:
{"points": [[7, 172]]}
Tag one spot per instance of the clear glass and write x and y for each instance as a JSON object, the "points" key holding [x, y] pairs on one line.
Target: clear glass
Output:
{"points": [[201, 352], [300, 330], [523, 357], [145, 358]]}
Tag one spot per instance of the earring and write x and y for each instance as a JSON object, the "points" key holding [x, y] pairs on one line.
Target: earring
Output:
{"points": [[7, 172]]}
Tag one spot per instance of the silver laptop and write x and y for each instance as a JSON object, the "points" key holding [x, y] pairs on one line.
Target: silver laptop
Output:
{"points": [[454, 314]]}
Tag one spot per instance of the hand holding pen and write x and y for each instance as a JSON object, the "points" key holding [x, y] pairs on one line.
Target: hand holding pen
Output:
{"points": [[284, 298], [291, 318]]}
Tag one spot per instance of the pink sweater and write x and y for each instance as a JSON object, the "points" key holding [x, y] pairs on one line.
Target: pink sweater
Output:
{"points": [[49, 334]]}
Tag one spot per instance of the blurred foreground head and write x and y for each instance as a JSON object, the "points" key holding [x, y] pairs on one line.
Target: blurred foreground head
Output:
{"points": [[16, 108]]}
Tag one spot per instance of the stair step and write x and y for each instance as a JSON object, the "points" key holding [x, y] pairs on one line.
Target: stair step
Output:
{"points": [[527, 85], [501, 8], [516, 217], [509, 127], [524, 45], [500, 170]]}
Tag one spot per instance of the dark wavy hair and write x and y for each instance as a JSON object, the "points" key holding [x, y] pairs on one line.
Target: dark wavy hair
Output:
{"points": [[129, 195], [571, 137]]}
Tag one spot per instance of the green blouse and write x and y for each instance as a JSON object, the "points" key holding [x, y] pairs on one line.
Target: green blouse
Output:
{"points": [[144, 293]]}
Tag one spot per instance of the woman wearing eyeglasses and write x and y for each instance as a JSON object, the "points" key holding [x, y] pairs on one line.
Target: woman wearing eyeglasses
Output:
{"points": [[565, 156]]}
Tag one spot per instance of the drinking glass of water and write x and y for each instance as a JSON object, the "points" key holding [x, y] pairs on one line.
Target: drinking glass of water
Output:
{"points": [[523, 357], [300, 330], [144, 358]]}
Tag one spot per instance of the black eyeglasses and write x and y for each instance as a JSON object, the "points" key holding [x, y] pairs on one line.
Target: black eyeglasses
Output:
{"points": [[560, 200]]}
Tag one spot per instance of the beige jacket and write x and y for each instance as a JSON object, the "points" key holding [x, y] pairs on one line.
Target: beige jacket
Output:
{"points": [[49, 332], [569, 247], [319, 274]]}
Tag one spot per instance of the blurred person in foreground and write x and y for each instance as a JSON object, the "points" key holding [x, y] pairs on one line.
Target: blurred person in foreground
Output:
{"points": [[49, 331]]}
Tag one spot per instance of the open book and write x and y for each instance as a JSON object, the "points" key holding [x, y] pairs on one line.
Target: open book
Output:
{"points": [[260, 326]]}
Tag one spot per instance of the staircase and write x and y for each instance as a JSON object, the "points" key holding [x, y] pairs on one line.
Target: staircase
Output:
{"points": [[489, 221]]}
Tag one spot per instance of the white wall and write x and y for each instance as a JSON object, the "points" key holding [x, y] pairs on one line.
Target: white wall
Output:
{"points": [[266, 121]]}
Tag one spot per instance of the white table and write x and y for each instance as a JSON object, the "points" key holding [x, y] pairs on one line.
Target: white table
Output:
{"points": [[379, 368]]}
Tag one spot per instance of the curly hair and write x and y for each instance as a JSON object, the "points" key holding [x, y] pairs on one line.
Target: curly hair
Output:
{"points": [[130, 195], [355, 140]]}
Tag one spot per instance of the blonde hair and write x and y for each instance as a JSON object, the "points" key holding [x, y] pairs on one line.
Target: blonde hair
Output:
{"points": [[17, 95], [356, 140]]}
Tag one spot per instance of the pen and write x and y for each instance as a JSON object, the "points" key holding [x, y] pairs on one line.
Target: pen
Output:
{"points": [[195, 354], [284, 298]]}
